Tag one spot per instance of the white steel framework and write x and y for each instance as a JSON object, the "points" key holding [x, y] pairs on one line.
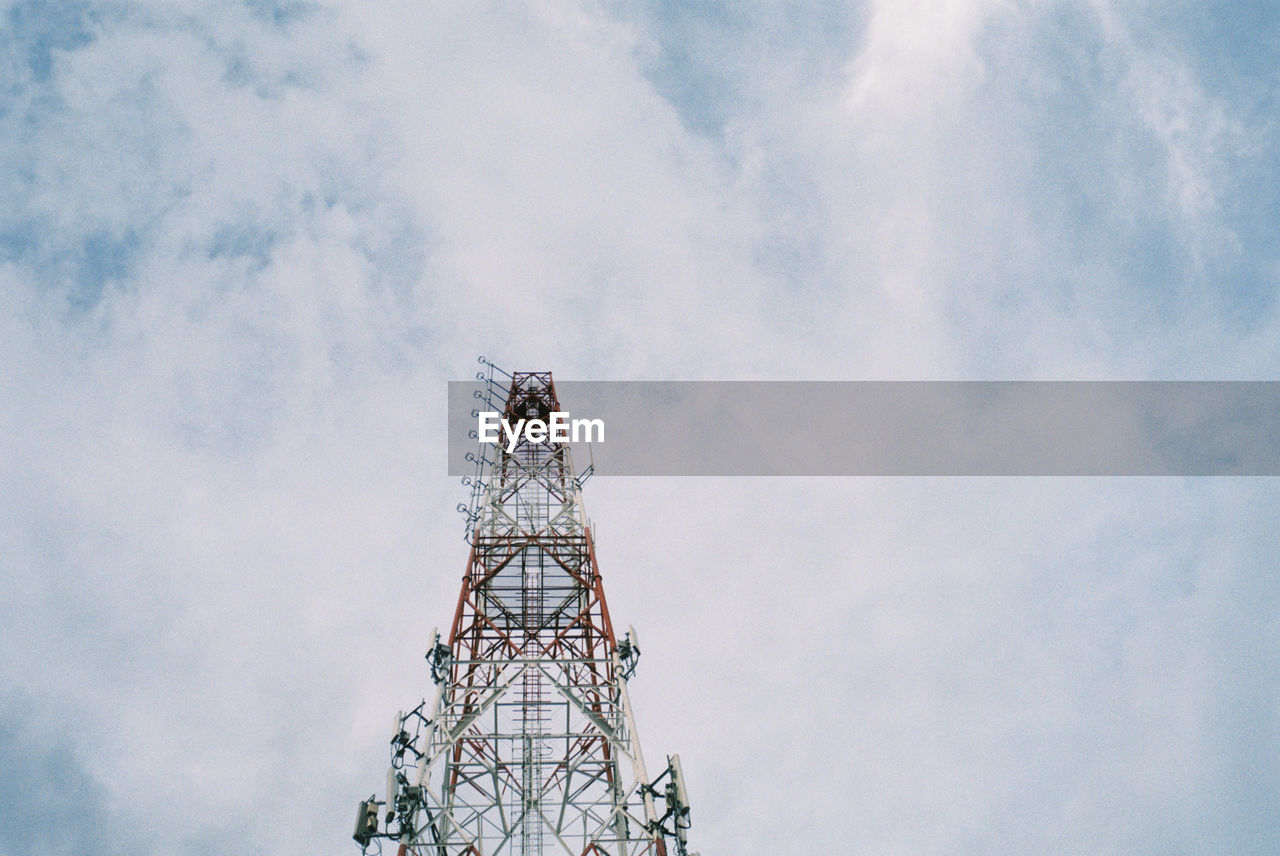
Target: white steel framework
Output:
{"points": [[529, 745]]}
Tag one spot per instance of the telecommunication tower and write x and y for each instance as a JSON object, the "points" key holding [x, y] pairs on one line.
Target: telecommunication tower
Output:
{"points": [[529, 746]]}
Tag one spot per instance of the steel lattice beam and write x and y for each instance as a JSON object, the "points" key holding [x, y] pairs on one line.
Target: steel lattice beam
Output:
{"points": [[529, 746]]}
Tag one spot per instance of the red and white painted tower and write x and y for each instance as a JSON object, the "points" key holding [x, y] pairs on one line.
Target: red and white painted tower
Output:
{"points": [[529, 745]]}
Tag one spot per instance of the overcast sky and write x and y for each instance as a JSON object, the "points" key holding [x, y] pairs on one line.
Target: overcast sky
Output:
{"points": [[243, 246]]}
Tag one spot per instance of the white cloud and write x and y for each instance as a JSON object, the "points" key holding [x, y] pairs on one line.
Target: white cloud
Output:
{"points": [[241, 249]]}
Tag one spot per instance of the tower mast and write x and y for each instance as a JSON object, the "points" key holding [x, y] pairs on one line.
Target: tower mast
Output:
{"points": [[529, 746]]}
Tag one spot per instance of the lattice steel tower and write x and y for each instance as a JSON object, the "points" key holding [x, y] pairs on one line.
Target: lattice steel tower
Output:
{"points": [[529, 746]]}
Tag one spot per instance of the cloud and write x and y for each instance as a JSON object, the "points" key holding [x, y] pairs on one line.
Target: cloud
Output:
{"points": [[243, 246], [54, 805]]}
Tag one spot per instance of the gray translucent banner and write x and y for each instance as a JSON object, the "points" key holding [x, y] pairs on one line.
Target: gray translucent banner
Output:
{"points": [[912, 428]]}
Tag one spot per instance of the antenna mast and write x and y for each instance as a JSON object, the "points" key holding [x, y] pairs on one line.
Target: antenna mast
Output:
{"points": [[529, 746]]}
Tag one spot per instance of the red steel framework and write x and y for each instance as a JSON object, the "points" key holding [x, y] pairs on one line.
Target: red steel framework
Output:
{"points": [[529, 746]]}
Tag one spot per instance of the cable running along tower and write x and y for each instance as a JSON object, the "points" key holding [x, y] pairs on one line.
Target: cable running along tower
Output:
{"points": [[529, 746]]}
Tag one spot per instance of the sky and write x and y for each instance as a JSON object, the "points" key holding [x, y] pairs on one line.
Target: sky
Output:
{"points": [[243, 246]]}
